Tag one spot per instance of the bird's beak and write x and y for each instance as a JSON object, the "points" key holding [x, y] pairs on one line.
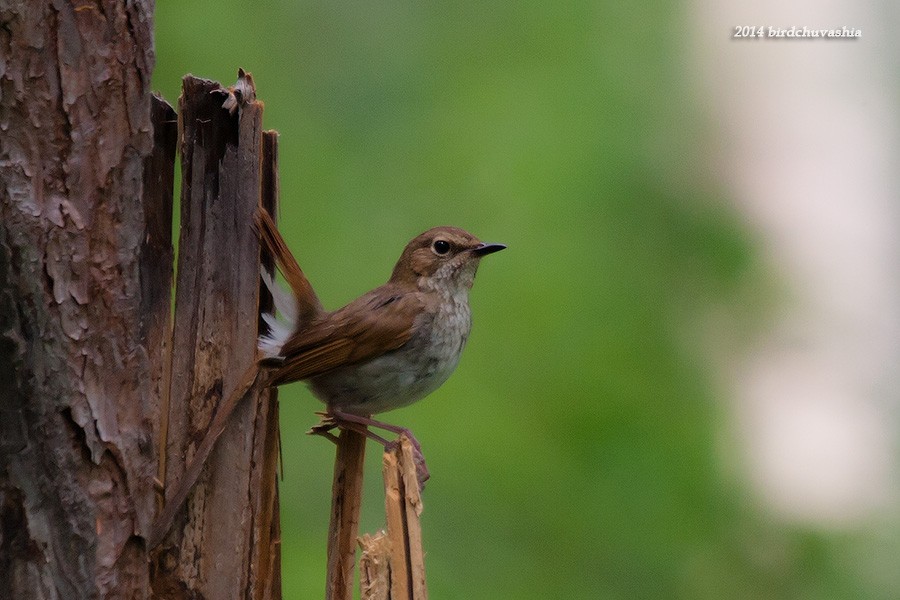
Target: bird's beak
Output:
{"points": [[484, 249]]}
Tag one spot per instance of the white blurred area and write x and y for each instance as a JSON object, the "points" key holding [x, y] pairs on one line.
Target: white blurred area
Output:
{"points": [[806, 142]]}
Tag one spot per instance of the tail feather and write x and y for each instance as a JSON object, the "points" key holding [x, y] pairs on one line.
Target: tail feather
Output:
{"points": [[285, 303], [281, 327]]}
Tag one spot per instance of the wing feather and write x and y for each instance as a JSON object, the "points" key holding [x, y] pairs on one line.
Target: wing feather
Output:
{"points": [[376, 323]]}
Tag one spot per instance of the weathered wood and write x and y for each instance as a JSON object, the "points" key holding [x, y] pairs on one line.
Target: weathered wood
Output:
{"points": [[403, 506], [214, 550], [266, 560], [86, 166], [76, 277], [375, 567], [346, 500], [157, 255], [247, 386]]}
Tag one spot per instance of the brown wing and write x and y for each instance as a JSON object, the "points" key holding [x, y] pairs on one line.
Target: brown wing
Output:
{"points": [[377, 322]]}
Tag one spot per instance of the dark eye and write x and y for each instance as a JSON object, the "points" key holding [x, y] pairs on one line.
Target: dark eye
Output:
{"points": [[441, 247]]}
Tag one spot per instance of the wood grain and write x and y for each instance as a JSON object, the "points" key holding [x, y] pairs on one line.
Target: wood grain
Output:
{"points": [[346, 500], [221, 544]]}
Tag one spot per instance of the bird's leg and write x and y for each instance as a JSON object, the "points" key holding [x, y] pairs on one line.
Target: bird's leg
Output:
{"points": [[338, 418], [339, 415], [329, 422]]}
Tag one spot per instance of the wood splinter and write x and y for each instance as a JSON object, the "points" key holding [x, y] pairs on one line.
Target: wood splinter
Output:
{"points": [[346, 499], [403, 506], [392, 565]]}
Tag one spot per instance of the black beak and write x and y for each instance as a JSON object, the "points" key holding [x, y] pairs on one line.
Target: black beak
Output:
{"points": [[485, 249]]}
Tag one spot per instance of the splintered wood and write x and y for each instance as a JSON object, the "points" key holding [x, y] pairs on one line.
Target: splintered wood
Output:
{"points": [[392, 565], [374, 567], [346, 499], [403, 505], [224, 542]]}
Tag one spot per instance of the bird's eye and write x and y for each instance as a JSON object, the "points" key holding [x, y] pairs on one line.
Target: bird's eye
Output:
{"points": [[441, 247]]}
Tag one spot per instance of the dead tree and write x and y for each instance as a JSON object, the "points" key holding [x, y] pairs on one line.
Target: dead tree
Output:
{"points": [[226, 542], [86, 353]]}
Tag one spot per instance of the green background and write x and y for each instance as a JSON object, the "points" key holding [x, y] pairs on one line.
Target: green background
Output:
{"points": [[578, 451]]}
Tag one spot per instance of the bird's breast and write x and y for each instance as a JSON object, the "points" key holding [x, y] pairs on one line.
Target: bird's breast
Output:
{"points": [[404, 375]]}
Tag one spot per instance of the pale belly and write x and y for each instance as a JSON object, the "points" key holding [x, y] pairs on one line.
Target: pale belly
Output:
{"points": [[402, 376]]}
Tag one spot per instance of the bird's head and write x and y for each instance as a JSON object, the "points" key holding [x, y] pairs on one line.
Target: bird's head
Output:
{"points": [[443, 258]]}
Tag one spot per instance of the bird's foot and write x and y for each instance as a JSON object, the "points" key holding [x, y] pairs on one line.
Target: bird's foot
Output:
{"points": [[338, 419], [422, 473], [326, 424]]}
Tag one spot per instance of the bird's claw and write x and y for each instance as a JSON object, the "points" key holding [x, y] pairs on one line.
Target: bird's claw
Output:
{"points": [[422, 474], [329, 421], [324, 427]]}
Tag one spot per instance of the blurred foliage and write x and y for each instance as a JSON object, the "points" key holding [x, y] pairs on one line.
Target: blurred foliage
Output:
{"points": [[578, 451]]}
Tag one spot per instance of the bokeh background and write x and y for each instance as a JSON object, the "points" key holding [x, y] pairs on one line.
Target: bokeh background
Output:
{"points": [[682, 377]]}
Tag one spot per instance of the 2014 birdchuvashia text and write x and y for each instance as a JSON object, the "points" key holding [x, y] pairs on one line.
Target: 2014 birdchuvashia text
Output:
{"points": [[770, 32]]}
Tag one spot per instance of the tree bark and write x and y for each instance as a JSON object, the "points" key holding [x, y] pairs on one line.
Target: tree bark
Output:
{"points": [[85, 268], [87, 354]]}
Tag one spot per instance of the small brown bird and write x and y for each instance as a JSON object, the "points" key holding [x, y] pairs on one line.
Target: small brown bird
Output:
{"points": [[387, 349], [390, 347]]}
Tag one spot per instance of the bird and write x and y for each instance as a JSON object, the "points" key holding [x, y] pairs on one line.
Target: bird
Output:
{"points": [[387, 349]]}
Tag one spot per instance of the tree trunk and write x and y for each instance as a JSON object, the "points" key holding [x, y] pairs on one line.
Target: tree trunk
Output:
{"points": [[77, 274], [86, 166]]}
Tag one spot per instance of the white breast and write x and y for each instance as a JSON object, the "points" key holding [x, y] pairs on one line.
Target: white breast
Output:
{"points": [[407, 374]]}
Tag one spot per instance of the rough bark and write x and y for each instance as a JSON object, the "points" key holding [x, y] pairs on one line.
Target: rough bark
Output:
{"points": [[86, 351], [77, 274]]}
